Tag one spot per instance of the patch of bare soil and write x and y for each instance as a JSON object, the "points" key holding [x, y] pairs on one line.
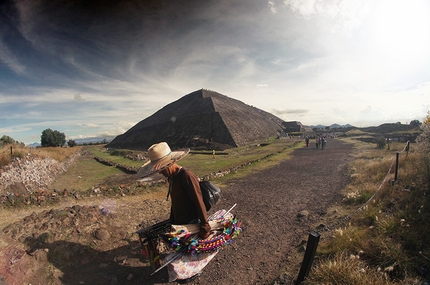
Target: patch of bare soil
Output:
{"points": [[94, 241]]}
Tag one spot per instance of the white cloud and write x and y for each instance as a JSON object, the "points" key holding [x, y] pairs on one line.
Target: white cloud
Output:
{"points": [[340, 16], [272, 7], [317, 61], [7, 56]]}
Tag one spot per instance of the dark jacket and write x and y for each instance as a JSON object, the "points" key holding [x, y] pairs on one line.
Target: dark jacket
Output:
{"points": [[187, 200]]}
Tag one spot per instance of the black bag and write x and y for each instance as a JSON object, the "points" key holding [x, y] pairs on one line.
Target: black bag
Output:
{"points": [[211, 194]]}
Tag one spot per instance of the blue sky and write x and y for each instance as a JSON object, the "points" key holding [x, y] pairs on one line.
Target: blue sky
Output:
{"points": [[96, 68]]}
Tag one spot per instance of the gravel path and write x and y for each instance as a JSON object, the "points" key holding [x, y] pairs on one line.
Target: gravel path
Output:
{"points": [[269, 205]]}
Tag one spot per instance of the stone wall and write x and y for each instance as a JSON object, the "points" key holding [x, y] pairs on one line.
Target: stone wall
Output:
{"points": [[32, 172]]}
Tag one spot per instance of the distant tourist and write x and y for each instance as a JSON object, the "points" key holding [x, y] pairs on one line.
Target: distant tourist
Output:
{"points": [[323, 142]]}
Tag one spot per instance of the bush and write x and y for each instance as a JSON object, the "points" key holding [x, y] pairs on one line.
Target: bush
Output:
{"points": [[423, 148], [71, 143], [6, 140], [52, 138], [380, 142]]}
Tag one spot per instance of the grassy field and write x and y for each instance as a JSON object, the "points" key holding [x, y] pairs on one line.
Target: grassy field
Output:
{"points": [[87, 172]]}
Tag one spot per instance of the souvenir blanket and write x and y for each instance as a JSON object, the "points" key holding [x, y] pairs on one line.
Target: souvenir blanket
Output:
{"points": [[189, 253]]}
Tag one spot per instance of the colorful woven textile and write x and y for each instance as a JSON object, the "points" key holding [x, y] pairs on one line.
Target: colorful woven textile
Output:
{"points": [[183, 241], [191, 254]]}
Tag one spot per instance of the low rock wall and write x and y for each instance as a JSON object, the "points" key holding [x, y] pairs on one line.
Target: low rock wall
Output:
{"points": [[35, 173]]}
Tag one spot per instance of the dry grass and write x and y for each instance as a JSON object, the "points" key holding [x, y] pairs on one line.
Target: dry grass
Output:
{"points": [[385, 242], [350, 269], [58, 153]]}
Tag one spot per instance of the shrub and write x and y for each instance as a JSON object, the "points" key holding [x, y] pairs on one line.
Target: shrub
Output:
{"points": [[423, 148], [71, 143], [4, 160], [6, 140], [380, 142]]}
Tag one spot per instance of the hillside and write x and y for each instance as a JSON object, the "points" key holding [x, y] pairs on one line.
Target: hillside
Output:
{"points": [[390, 128]]}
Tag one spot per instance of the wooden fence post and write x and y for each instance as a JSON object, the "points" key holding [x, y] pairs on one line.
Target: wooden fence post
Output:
{"points": [[397, 167], [311, 248]]}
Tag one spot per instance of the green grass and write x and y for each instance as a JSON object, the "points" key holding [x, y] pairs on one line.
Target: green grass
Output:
{"points": [[117, 156], [84, 174], [204, 164], [87, 173]]}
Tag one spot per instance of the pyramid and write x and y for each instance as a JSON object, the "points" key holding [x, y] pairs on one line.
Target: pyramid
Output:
{"points": [[203, 119]]}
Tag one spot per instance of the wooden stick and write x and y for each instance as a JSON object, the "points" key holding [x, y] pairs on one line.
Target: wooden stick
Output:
{"points": [[229, 210], [195, 228]]}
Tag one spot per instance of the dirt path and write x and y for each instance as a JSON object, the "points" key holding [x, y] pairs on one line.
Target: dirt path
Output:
{"points": [[268, 204]]}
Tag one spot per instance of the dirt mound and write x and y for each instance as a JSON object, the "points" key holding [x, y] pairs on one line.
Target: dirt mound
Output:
{"points": [[94, 244]]}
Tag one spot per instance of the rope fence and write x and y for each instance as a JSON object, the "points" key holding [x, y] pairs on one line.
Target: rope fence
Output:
{"points": [[314, 236], [328, 228], [6, 150]]}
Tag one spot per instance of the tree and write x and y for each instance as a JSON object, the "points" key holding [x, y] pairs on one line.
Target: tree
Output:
{"points": [[6, 140], [427, 119], [52, 138], [71, 143], [415, 123]]}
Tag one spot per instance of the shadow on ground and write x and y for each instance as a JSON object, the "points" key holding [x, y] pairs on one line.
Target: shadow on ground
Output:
{"points": [[81, 264]]}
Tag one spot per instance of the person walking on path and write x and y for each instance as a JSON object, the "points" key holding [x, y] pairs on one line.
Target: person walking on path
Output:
{"points": [[323, 143]]}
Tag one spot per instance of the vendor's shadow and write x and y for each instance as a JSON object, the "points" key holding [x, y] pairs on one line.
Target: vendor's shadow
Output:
{"points": [[81, 264]]}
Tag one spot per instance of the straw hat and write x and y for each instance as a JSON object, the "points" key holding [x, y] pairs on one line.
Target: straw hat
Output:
{"points": [[160, 156]]}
